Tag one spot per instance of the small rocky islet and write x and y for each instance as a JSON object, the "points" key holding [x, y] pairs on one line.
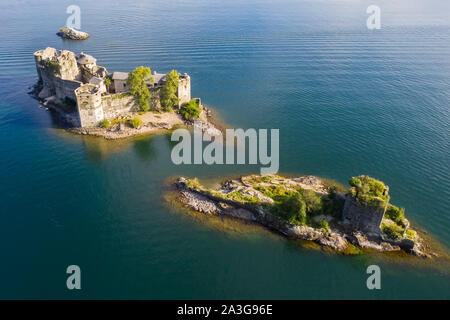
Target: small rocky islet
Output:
{"points": [[72, 34], [310, 208]]}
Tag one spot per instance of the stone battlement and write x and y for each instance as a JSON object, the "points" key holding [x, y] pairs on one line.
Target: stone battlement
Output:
{"points": [[81, 82]]}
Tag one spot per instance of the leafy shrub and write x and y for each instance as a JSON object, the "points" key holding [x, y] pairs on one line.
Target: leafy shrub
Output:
{"points": [[292, 209], [333, 207], [136, 122], [313, 201], [53, 66], [323, 224], [190, 110], [193, 183], [393, 231], [237, 196], [275, 192], [411, 234], [369, 191], [105, 123], [396, 214]]}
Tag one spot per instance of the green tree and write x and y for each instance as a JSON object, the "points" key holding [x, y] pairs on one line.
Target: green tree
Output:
{"points": [[138, 87], [323, 224], [136, 122], [169, 97], [191, 110], [396, 214], [392, 231], [313, 201], [105, 123], [369, 191], [293, 209]]}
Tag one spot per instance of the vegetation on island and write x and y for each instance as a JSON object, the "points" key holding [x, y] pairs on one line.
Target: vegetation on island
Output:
{"points": [[281, 203], [369, 191], [108, 84], [169, 97], [53, 66], [191, 110], [323, 223], [294, 204], [105, 123], [300, 206], [395, 225], [393, 231], [138, 88], [136, 122], [396, 214]]}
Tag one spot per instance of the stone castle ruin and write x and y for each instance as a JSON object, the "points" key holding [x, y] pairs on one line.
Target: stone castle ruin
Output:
{"points": [[365, 204], [69, 79]]}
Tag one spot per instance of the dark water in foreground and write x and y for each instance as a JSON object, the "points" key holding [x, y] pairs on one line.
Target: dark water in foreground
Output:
{"points": [[347, 101]]}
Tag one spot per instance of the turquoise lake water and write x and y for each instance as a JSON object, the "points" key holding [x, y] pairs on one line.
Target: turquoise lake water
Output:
{"points": [[347, 101]]}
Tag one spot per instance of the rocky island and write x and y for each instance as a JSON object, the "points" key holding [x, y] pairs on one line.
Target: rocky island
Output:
{"points": [[90, 100], [308, 208], [72, 34]]}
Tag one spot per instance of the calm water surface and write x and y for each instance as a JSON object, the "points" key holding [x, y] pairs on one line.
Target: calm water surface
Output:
{"points": [[347, 100]]}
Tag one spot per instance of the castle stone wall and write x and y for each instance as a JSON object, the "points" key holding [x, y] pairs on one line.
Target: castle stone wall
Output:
{"points": [[116, 105], [184, 89], [68, 68], [66, 88], [120, 104], [89, 102], [64, 76], [363, 218]]}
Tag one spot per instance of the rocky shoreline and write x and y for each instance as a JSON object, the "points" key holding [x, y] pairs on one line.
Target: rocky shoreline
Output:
{"points": [[339, 236]]}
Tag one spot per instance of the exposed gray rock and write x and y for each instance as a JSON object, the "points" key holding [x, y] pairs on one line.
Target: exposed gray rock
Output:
{"points": [[305, 233], [334, 241], [45, 93], [200, 203], [374, 243], [72, 34]]}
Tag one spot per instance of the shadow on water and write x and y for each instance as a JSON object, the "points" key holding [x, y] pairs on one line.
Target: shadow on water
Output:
{"points": [[98, 149]]}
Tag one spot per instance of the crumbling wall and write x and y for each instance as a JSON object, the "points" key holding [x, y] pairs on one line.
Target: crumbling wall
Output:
{"points": [[68, 68], [89, 103], [42, 55], [184, 89], [66, 88], [64, 76], [361, 217], [58, 72], [87, 72]]}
